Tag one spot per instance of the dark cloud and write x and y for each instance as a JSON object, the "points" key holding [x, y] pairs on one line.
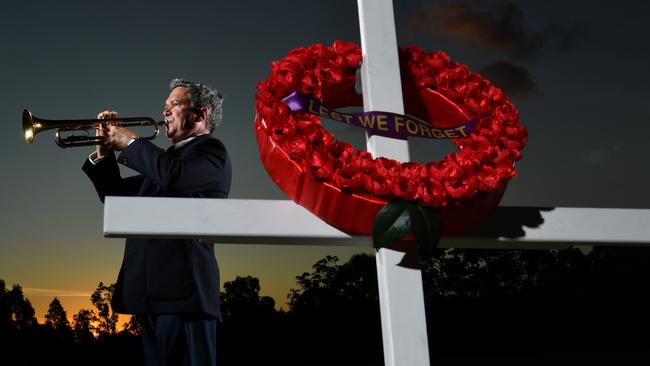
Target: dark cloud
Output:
{"points": [[564, 37], [499, 26], [514, 80]]}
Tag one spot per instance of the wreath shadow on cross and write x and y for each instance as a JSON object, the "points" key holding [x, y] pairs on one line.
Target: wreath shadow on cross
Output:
{"points": [[504, 222]]}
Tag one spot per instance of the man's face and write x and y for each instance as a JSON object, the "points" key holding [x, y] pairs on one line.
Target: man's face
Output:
{"points": [[179, 117]]}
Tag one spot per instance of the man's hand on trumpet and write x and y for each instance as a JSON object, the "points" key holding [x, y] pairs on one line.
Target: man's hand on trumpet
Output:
{"points": [[116, 137]]}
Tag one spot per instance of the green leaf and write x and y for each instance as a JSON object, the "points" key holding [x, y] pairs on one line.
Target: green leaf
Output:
{"points": [[391, 224], [427, 228]]}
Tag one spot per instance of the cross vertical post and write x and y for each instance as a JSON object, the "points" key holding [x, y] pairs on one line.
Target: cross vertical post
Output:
{"points": [[401, 296]]}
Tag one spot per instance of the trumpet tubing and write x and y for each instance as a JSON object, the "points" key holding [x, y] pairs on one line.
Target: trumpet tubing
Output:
{"points": [[33, 125]]}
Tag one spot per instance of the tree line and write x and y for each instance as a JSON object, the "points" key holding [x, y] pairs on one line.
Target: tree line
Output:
{"points": [[534, 305]]}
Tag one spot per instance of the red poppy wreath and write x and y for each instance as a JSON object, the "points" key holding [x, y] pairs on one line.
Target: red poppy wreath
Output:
{"points": [[347, 188]]}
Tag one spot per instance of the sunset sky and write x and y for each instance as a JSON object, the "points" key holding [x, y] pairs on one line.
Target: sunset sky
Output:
{"points": [[577, 71]]}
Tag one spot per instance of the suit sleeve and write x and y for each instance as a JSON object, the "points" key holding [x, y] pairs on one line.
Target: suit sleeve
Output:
{"points": [[199, 168], [105, 176]]}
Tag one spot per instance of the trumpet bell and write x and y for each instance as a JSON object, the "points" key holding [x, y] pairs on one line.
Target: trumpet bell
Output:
{"points": [[29, 126]]}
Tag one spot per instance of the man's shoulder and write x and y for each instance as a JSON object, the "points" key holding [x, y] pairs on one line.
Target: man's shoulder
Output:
{"points": [[212, 149], [206, 142]]}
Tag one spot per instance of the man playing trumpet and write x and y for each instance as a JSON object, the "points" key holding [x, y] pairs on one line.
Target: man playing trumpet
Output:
{"points": [[172, 285]]}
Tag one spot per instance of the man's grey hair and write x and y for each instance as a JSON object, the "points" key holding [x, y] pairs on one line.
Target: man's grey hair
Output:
{"points": [[200, 96]]}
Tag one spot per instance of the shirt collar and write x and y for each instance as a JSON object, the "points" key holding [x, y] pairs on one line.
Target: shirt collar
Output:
{"points": [[182, 143]]}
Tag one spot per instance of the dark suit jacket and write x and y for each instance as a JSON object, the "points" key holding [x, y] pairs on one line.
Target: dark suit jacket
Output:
{"points": [[165, 275]]}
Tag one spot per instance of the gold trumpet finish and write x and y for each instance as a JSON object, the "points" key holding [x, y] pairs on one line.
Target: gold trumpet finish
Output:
{"points": [[33, 125]]}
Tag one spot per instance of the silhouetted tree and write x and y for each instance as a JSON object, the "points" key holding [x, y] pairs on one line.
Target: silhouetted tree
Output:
{"points": [[352, 283], [250, 321], [509, 301], [56, 317], [5, 309], [334, 312], [132, 327], [106, 319], [83, 325], [315, 287], [241, 297], [21, 310]]}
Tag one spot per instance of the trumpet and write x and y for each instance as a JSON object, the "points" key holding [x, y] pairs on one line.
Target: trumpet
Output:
{"points": [[33, 125]]}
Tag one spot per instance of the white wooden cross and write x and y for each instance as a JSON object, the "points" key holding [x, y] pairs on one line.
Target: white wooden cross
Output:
{"points": [[284, 222], [401, 297]]}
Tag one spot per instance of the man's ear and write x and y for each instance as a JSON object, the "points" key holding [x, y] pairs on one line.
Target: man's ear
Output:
{"points": [[202, 114]]}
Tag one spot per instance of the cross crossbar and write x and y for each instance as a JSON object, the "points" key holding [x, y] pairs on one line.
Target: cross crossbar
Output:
{"points": [[239, 221]]}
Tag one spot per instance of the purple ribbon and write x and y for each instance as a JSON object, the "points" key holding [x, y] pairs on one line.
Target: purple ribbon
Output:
{"points": [[385, 124]]}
